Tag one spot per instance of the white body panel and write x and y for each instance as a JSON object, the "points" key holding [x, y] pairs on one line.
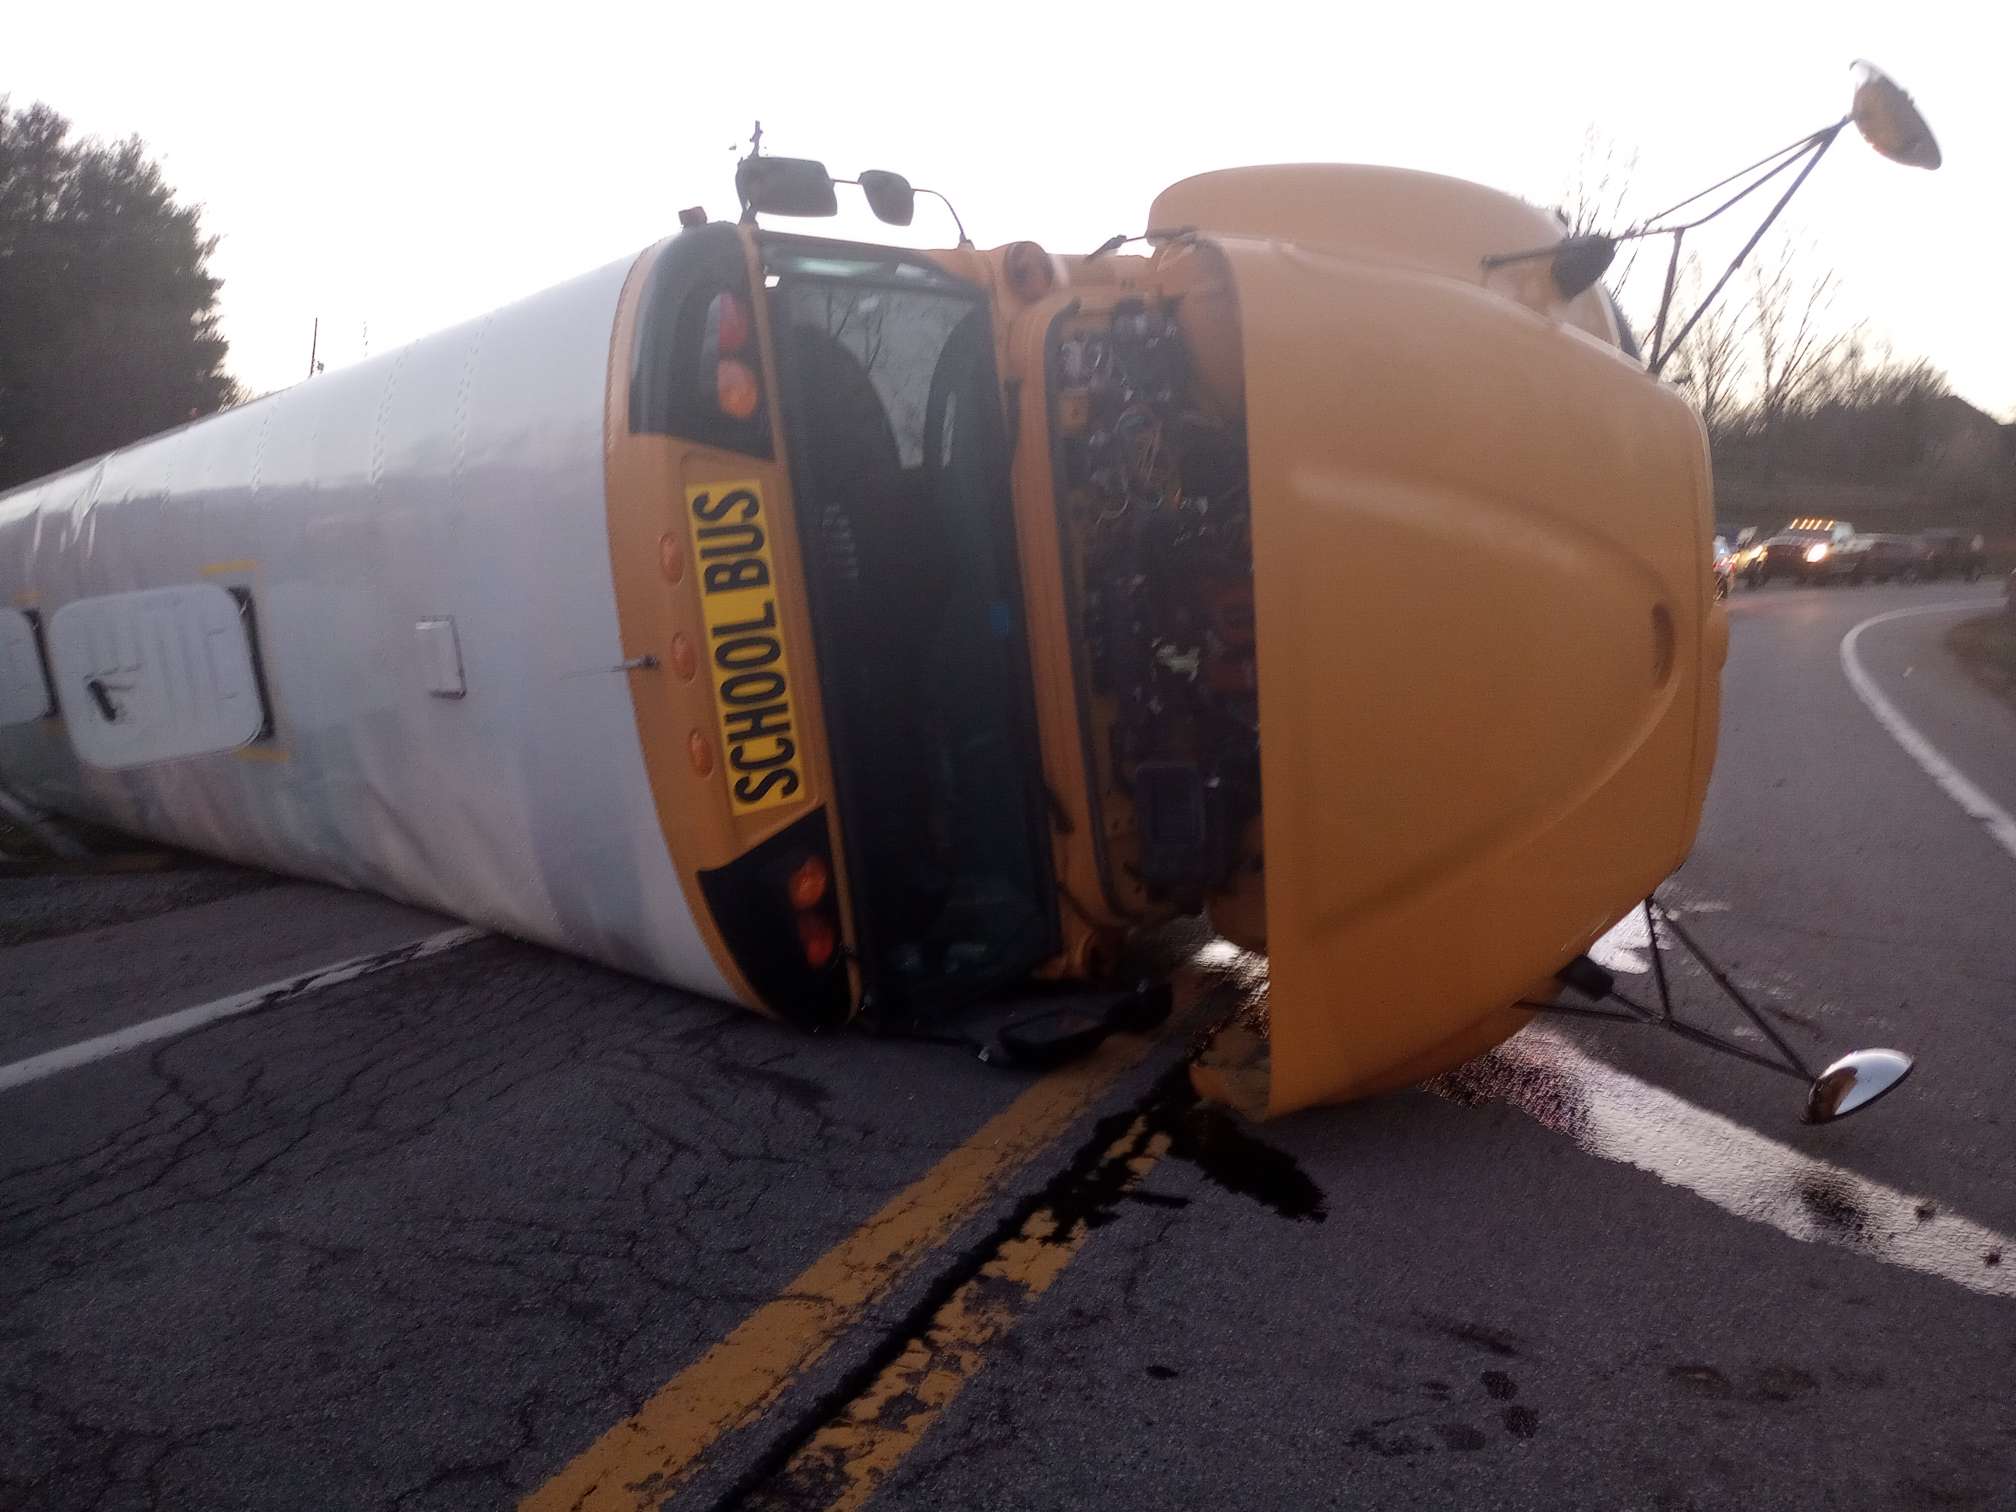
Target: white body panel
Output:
{"points": [[460, 479]]}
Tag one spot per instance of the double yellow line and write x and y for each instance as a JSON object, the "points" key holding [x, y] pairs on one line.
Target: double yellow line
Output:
{"points": [[648, 1456], [847, 1459]]}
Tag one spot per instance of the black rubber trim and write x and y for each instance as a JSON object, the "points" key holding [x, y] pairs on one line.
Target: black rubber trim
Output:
{"points": [[753, 911], [670, 393]]}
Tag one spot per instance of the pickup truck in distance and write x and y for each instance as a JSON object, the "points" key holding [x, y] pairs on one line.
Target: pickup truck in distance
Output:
{"points": [[1797, 552]]}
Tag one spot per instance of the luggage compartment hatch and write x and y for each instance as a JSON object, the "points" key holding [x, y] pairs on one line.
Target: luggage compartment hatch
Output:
{"points": [[163, 674]]}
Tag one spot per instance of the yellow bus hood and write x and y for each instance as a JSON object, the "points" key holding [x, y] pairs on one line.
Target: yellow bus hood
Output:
{"points": [[1489, 659]]}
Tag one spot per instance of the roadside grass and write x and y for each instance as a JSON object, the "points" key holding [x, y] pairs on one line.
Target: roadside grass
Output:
{"points": [[1986, 647]]}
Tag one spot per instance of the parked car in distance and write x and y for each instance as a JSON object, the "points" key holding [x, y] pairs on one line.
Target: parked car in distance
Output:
{"points": [[1954, 553], [1795, 552], [1873, 558]]}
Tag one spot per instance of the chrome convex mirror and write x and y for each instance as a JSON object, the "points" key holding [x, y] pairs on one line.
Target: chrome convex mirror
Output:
{"points": [[1853, 1082], [1889, 122], [1846, 1086]]}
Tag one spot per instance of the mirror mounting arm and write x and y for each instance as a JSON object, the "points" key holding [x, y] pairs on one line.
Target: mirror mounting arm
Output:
{"points": [[1819, 143], [1842, 1087], [965, 241], [1658, 359]]}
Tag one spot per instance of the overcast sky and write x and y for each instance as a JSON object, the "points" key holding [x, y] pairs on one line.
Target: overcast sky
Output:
{"points": [[403, 167]]}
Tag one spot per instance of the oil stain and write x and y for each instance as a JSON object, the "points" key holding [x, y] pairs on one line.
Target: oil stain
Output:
{"points": [[1500, 1386], [1164, 1372], [1781, 1383], [1459, 1436], [1832, 1202], [1522, 1422], [1386, 1446], [1476, 1335], [1702, 1380], [800, 1091]]}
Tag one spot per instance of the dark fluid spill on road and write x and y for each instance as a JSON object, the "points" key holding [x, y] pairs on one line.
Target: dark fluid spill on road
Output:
{"points": [[1172, 1123], [1217, 1144], [1614, 1115], [1460, 1437], [1831, 1197]]}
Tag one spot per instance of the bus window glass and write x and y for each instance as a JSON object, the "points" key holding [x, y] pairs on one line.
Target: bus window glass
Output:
{"points": [[900, 470]]}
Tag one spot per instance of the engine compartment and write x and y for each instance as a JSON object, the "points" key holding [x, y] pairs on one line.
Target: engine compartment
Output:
{"points": [[1155, 514]]}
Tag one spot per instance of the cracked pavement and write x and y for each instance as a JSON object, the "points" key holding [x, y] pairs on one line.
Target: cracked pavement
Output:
{"points": [[417, 1239], [412, 1239]]}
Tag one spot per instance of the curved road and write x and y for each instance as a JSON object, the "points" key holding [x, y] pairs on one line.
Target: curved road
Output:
{"points": [[497, 1227]]}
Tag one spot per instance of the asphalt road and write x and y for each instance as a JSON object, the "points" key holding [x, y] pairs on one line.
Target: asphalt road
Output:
{"points": [[498, 1226]]}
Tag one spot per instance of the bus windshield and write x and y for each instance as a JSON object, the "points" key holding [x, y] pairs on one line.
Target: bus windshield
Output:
{"points": [[900, 471]]}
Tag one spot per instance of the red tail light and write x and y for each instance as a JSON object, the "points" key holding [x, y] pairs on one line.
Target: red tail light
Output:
{"points": [[818, 937], [730, 319]]}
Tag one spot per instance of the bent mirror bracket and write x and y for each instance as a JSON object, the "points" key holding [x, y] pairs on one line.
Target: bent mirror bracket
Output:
{"points": [[1888, 120], [802, 188], [1844, 1086]]}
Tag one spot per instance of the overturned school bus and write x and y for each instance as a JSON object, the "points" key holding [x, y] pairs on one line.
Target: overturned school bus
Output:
{"points": [[855, 632]]}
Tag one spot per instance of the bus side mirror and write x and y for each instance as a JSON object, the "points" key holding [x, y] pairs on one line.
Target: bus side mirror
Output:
{"points": [[1890, 122], [889, 196], [785, 186]]}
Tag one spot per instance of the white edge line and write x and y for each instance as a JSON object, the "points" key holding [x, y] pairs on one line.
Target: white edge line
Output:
{"points": [[68, 1058], [1748, 1174], [1992, 817]]}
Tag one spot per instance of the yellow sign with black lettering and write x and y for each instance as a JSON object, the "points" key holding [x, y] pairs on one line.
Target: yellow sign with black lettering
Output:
{"points": [[737, 579]]}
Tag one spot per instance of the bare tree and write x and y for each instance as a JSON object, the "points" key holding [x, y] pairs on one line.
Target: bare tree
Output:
{"points": [[1598, 193], [1795, 342], [1776, 378], [1598, 196], [1866, 374], [1713, 366]]}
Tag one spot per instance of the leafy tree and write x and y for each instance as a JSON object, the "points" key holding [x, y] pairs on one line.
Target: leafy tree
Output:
{"points": [[108, 311]]}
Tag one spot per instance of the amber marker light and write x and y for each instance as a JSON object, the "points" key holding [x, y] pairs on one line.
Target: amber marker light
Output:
{"points": [[735, 389], [684, 660]]}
